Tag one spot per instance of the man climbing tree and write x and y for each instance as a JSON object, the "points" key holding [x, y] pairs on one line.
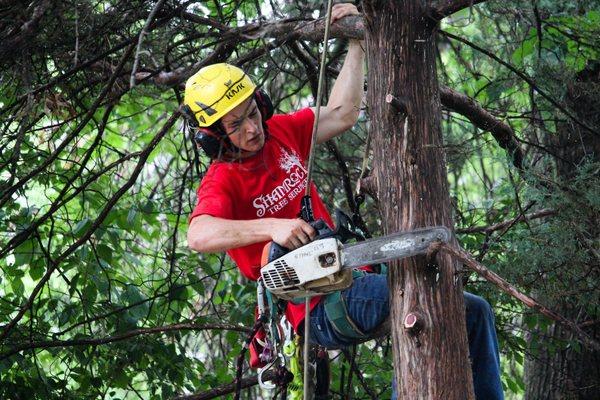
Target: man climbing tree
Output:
{"points": [[249, 196]]}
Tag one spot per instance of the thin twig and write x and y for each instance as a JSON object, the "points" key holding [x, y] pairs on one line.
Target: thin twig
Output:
{"points": [[136, 60], [448, 7], [359, 375], [88, 116], [122, 336]]}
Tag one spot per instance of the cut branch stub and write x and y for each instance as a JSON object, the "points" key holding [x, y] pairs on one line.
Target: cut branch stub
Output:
{"points": [[432, 252], [413, 323], [368, 185], [400, 104]]}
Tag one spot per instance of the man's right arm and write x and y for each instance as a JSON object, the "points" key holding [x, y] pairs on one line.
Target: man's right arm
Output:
{"points": [[208, 234]]}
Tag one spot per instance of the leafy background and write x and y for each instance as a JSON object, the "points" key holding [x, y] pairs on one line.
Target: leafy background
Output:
{"points": [[98, 177]]}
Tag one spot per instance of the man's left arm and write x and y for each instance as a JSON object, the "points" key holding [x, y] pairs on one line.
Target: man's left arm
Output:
{"points": [[343, 107]]}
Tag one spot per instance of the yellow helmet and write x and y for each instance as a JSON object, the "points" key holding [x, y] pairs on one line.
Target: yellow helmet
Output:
{"points": [[215, 90]]}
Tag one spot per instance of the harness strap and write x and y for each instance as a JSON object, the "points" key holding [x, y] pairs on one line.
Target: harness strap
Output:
{"points": [[337, 314], [381, 268], [337, 311], [272, 303]]}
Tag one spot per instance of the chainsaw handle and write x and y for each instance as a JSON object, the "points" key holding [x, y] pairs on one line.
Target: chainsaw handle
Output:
{"points": [[323, 230], [276, 250], [272, 251]]}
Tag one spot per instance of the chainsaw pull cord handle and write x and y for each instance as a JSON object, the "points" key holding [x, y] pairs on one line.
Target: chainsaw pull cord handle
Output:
{"points": [[307, 212]]}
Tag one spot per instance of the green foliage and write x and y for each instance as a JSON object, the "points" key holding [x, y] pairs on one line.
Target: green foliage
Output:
{"points": [[112, 265]]}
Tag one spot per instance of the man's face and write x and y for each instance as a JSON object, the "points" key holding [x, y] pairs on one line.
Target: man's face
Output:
{"points": [[244, 127]]}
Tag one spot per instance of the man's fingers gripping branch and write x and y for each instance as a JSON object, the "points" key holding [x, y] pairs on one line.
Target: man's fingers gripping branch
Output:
{"points": [[340, 10]]}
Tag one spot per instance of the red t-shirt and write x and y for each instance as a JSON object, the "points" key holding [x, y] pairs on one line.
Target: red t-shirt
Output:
{"points": [[269, 184]]}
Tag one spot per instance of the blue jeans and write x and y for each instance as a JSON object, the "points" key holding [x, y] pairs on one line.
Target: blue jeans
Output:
{"points": [[368, 306]]}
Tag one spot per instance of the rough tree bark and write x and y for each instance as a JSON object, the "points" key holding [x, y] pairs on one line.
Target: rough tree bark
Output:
{"points": [[428, 330]]}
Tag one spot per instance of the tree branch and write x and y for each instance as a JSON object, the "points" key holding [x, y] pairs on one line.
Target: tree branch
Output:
{"points": [[501, 225], [97, 222], [174, 78], [25, 233], [88, 116], [24, 32], [123, 336], [484, 120], [527, 79], [354, 368], [351, 27], [492, 277], [228, 387], [136, 59], [445, 8]]}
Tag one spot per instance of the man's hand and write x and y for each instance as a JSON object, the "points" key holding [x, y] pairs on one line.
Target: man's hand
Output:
{"points": [[340, 10], [292, 233], [208, 234]]}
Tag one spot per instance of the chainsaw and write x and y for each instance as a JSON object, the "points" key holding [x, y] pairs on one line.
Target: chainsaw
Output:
{"points": [[325, 265]]}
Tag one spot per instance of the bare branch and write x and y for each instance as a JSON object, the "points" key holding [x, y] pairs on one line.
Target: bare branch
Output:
{"points": [[136, 60], [490, 276], [10, 44], [228, 388], [123, 336], [97, 222], [88, 116], [351, 27], [354, 368], [25, 233], [484, 120], [445, 8], [501, 225], [173, 78], [203, 21]]}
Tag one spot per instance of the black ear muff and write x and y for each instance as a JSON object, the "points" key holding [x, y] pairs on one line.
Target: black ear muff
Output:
{"points": [[212, 140], [265, 106]]}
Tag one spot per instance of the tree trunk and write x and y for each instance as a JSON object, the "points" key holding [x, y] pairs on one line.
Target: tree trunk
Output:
{"points": [[570, 373], [431, 361], [563, 374]]}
